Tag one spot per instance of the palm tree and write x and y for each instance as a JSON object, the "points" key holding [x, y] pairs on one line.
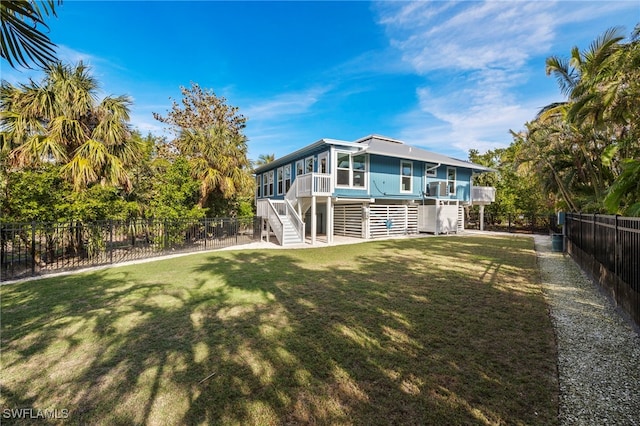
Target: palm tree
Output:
{"points": [[265, 159], [60, 121], [597, 118], [218, 158], [210, 135], [22, 42]]}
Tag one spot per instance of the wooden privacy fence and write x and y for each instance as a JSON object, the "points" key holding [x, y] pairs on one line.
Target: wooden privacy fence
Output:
{"points": [[608, 248], [38, 248]]}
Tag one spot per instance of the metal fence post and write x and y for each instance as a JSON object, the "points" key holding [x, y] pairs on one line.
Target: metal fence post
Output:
{"points": [[110, 240], [593, 242], [615, 248], [33, 249]]}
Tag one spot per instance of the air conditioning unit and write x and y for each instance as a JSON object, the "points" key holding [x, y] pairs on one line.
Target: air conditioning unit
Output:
{"points": [[437, 189]]}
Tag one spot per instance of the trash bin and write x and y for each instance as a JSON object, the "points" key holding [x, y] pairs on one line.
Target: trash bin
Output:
{"points": [[557, 241]]}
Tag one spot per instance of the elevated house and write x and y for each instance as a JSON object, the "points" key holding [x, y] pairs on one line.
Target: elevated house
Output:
{"points": [[372, 187]]}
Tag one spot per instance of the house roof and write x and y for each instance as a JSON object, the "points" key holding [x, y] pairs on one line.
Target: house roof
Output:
{"points": [[380, 145]]}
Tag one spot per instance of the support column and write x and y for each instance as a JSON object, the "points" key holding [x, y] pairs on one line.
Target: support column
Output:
{"points": [[482, 217], [314, 220], [329, 221]]}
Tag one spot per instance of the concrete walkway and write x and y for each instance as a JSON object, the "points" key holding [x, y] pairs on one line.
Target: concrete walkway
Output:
{"points": [[598, 347]]}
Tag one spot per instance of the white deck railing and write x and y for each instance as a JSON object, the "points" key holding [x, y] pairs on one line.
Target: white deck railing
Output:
{"points": [[313, 184]]}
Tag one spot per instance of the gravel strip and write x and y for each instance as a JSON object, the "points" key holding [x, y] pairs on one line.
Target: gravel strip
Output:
{"points": [[598, 349]]}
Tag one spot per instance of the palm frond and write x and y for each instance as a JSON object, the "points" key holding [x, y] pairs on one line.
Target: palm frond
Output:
{"points": [[20, 43]]}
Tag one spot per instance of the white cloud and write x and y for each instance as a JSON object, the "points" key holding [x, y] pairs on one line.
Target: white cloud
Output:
{"points": [[476, 59], [284, 104]]}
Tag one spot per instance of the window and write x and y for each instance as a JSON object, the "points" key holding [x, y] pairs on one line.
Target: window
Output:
{"points": [[287, 177], [358, 163], [344, 169], [322, 163], [265, 186], [406, 176], [308, 165], [431, 170], [351, 170], [451, 180], [258, 186], [280, 180], [299, 167], [270, 179]]}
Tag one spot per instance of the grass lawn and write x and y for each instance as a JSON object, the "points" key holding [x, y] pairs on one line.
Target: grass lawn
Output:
{"points": [[441, 330]]}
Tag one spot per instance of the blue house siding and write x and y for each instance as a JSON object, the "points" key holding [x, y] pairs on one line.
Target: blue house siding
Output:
{"points": [[385, 178], [383, 171]]}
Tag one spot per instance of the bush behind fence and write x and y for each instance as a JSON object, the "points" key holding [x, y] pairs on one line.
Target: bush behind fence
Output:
{"points": [[530, 223], [38, 248], [608, 248]]}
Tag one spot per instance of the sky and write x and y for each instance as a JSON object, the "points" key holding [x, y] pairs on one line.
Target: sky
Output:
{"points": [[444, 76]]}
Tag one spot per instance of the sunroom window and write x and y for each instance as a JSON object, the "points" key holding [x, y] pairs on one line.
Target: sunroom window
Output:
{"points": [[359, 170], [344, 169], [351, 170]]}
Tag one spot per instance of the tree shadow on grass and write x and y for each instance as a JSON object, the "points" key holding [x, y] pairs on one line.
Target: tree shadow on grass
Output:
{"points": [[383, 334]]}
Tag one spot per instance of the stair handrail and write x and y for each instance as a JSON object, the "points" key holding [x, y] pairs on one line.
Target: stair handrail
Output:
{"points": [[275, 221], [292, 193]]}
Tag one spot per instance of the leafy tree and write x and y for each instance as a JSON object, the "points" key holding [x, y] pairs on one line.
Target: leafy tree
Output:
{"points": [[36, 194], [209, 135], [517, 189], [175, 193], [22, 41], [58, 121]]}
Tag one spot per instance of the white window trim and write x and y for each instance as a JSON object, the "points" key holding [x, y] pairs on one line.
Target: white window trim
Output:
{"points": [[325, 156], [259, 186], [430, 171], [280, 180], [265, 186], [306, 161], [351, 171], [270, 179], [455, 178], [284, 177], [402, 176]]}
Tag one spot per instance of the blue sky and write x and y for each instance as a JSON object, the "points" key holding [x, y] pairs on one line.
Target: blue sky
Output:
{"points": [[446, 76]]}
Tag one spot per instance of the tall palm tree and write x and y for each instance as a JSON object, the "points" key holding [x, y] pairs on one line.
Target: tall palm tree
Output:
{"points": [[22, 42], [594, 124], [60, 121]]}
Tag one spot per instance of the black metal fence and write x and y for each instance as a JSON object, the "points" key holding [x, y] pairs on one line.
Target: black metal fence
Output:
{"points": [[37, 248], [527, 223], [608, 248]]}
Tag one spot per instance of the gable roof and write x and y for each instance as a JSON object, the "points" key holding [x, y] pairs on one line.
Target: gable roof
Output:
{"points": [[380, 145]]}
